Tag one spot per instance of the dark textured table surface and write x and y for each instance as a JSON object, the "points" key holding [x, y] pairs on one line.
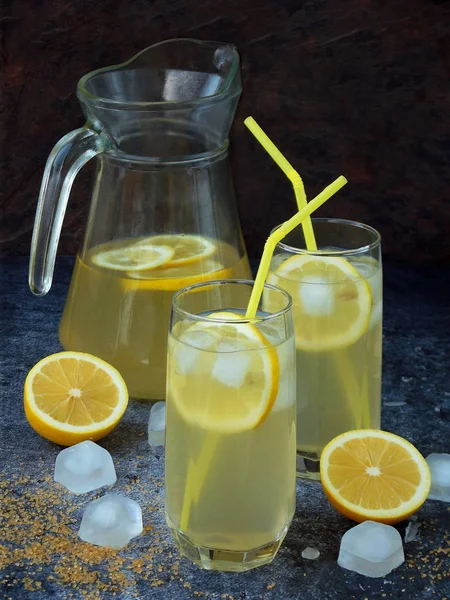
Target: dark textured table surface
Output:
{"points": [[41, 556]]}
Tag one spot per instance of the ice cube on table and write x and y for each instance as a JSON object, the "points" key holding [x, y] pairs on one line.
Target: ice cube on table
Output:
{"points": [[411, 531], [440, 476], [112, 520], [310, 553], [84, 467], [371, 549], [157, 424], [395, 403]]}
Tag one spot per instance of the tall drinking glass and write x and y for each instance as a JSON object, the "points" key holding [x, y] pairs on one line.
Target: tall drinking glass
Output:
{"points": [[337, 311], [230, 437]]}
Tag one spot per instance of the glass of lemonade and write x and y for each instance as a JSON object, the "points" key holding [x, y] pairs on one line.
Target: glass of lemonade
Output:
{"points": [[337, 312], [230, 436]]}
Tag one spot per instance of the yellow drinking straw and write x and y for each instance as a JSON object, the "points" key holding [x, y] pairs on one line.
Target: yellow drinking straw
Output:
{"points": [[279, 234], [291, 174], [345, 367]]}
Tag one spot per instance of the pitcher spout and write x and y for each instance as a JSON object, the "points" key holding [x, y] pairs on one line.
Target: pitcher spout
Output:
{"points": [[174, 98]]}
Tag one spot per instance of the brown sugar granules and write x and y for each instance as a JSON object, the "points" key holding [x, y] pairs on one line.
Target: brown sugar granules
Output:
{"points": [[41, 553], [40, 549], [431, 565]]}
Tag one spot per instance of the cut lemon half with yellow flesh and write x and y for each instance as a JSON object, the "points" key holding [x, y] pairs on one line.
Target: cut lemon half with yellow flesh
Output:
{"points": [[332, 303], [223, 376], [71, 397], [374, 475], [187, 248], [134, 257]]}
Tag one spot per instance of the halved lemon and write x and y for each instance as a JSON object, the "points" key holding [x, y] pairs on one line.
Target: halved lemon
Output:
{"points": [[70, 397], [134, 257], [187, 248], [223, 376], [374, 475], [332, 303]]}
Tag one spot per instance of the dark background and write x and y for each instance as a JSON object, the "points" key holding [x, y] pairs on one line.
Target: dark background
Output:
{"points": [[353, 87]]}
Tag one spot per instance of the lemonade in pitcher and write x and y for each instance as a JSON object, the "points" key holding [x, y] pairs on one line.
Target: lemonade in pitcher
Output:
{"points": [[162, 211], [120, 298], [337, 311], [230, 441]]}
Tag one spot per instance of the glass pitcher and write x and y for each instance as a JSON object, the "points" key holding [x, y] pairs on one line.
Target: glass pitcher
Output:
{"points": [[162, 213]]}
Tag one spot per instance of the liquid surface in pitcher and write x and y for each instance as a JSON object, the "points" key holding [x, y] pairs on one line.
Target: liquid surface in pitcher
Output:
{"points": [[123, 315]]}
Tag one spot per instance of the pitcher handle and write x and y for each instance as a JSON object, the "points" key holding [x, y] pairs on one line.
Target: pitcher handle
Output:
{"points": [[65, 160]]}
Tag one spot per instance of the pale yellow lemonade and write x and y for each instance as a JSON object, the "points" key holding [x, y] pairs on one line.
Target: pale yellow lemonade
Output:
{"points": [[120, 312], [337, 312], [230, 445]]}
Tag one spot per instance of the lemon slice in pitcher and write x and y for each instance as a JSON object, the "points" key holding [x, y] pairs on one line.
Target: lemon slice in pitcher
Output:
{"points": [[200, 271], [233, 365], [172, 279], [332, 303], [134, 257], [186, 248]]}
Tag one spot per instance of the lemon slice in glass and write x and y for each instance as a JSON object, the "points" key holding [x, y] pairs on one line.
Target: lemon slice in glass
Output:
{"points": [[223, 376], [332, 303]]}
